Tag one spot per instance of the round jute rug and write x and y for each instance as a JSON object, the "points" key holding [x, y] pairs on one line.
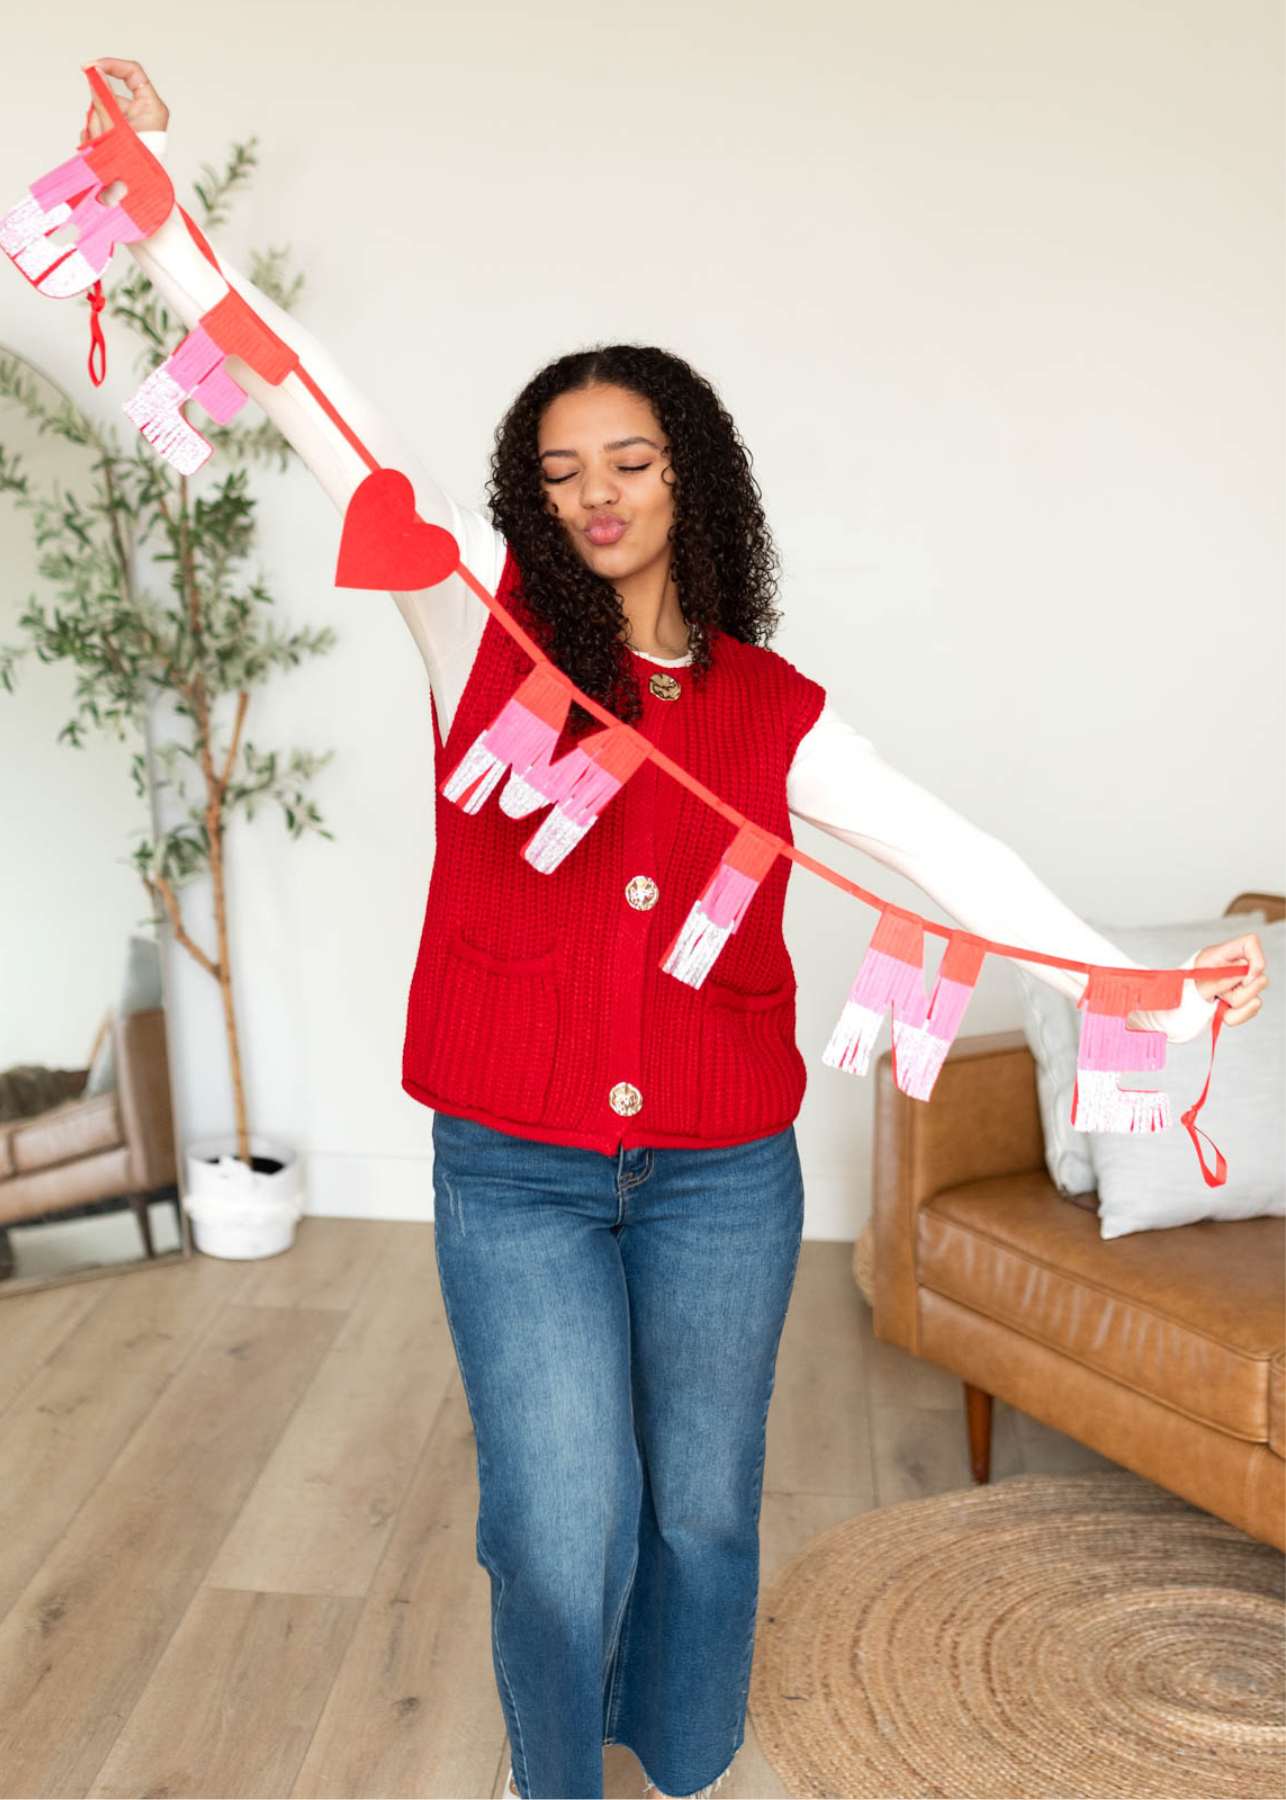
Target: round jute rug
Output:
{"points": [[1042, 1637]]}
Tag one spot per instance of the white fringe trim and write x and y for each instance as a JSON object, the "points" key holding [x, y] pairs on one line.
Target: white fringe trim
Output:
{"points": [[71, 277], [853, 1039], [477, 760], [920, 1056], [26, 222], [520, 798], [154, 408], [1102, 1105], [696, 947], [550, 844]]}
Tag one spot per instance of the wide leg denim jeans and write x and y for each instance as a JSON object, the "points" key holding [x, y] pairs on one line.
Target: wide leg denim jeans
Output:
{"points": [[616, 1321]]}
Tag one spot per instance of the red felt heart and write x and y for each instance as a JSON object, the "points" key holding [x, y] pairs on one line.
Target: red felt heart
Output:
{"points": [[385, 544]]}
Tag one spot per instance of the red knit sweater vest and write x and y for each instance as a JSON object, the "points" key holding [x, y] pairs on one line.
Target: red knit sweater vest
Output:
{"points": [[538, 1005]]}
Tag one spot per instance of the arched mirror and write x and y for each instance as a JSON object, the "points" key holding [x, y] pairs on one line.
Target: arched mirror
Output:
{"points": [[88, 1176]]}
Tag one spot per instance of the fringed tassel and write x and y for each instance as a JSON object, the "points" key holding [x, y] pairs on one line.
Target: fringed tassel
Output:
{"points": [[71, 193], [581, 784], [892, 972], [850, 1043], [194, 371], [64, 194], [1108, 1049], [919, 1050], [1100, 1104], [523, 733], [720, 906]]}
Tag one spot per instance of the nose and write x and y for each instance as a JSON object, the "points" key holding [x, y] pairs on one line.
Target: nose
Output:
{"points": [[597, 488]]}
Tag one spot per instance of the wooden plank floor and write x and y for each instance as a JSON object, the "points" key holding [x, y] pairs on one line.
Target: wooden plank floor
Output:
{"points": [[238, 1504]]}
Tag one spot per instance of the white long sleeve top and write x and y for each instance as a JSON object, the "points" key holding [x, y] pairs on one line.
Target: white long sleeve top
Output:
{"points": [[837, 781]]}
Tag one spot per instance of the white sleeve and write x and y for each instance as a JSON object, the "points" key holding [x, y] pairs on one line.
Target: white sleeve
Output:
{"points": [[839, 781], [446, 621]]}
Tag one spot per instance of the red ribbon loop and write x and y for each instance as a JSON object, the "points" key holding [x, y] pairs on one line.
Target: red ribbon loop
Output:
{"points": [[1221, 1166], [97, 342]]}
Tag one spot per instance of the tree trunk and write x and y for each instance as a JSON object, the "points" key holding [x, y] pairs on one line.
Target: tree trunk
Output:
{"points": [[225, 988]]}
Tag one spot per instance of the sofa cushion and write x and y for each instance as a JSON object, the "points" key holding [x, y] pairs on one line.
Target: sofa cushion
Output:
{"points": [[78, 1127], [1277, 1403], [1192, 1317]]}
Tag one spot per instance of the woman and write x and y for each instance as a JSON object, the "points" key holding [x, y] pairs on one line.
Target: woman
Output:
{"points": [[618, 1198]]}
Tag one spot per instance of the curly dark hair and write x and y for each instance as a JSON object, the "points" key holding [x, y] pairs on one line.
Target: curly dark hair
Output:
{"points": [[724, 561]]}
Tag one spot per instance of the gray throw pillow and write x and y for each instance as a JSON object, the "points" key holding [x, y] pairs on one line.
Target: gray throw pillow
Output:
{"points": [[1052, 1026]]}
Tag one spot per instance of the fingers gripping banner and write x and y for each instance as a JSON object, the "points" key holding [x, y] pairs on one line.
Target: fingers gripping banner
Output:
{"points": [[892, 974], [385, 545]]}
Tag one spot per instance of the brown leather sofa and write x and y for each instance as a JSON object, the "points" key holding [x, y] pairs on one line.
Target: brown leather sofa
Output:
{"points": [[1163, 1350], [96, 1148]]}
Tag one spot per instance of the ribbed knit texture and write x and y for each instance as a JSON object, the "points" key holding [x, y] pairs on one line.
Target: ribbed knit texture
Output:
{"points": [[534, 994]]}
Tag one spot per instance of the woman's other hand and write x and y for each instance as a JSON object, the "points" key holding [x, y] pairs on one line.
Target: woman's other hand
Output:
{"points": [[1241, 993], [144, 110]]}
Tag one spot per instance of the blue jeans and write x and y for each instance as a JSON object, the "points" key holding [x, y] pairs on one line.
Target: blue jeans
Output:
{"points": [[616, 1322]]}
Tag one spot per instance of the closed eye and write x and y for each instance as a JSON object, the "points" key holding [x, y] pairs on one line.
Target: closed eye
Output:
{"points": [[626, 469]]}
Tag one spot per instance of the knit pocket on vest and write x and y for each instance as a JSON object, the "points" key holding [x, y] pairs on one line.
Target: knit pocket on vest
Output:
{"points": [[750, 1068], [494, 1031]]}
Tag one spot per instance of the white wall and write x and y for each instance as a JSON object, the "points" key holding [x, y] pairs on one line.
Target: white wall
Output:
{"points": [[995, 295], [69, 895]]}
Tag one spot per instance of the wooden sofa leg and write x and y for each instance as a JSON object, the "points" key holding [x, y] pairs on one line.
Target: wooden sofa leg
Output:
{"points": [[139, 1204], [978, 1416]]}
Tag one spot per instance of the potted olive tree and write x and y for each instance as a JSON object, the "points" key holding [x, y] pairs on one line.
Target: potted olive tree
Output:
{"points": [[147, 593]]}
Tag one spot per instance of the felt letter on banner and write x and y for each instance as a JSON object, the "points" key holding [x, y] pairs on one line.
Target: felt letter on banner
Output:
{"points": [[523, 733], [892, 971], [195, 371], [580, 784], [69, 194], [1109, 1048], [720, 906]]}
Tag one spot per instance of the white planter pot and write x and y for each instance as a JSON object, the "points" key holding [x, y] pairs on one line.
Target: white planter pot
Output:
{"points": [[242, 1212]]}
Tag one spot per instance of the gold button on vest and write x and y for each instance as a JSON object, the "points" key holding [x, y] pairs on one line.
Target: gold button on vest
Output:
{"points": [[641, 892], [664, 686], [625, 1098]]}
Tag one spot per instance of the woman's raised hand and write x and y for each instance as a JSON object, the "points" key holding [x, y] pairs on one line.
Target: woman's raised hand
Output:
{"points": [[144, 110], [1241, 992]]}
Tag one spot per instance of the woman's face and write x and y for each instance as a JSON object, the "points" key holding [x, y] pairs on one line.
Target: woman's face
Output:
{"points": [[602, 457]]}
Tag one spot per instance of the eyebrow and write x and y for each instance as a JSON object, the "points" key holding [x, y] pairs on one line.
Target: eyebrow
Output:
{"points": [[616, 444]]}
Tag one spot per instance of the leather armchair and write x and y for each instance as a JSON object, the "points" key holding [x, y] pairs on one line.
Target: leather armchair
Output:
{"points": [[97, 1147], [1163, 1350]]}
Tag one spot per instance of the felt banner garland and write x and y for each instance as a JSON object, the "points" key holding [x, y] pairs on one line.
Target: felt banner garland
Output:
{"points": [[525, 730], [384, 545], [721, 905], [69, 194], [195, 371], [1108, 1047], [580, 784], [892, 973]]}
